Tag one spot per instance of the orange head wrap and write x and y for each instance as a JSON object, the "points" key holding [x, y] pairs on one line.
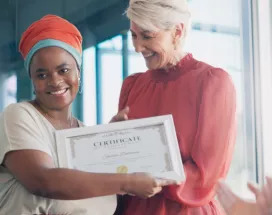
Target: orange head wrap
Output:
{"points": [[51, 30]]}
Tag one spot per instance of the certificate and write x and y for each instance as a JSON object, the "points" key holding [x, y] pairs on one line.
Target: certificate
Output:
{"points": [[142, 145]]}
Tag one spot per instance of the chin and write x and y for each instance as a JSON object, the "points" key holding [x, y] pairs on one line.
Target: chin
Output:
{"points": [[152, 66], [59, 106]]}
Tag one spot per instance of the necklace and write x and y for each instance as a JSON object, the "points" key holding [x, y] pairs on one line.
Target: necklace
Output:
{"points": [[59, 126]]}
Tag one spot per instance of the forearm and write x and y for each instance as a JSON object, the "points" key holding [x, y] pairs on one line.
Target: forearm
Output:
{"points": [[69, 184]]}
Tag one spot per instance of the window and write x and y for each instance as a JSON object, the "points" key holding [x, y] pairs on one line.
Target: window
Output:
{"points": [[111, 81], [89, 87], [10, 90], [111, 73], [215, 38]]}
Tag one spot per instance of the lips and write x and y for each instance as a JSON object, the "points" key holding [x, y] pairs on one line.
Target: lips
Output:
{"points": [[58, 92]]}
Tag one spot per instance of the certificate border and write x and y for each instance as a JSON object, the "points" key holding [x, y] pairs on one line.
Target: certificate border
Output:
{"points": [[177, 173]]}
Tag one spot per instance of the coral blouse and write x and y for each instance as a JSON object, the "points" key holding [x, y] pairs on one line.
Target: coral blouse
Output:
{"points": [[202, 100]]}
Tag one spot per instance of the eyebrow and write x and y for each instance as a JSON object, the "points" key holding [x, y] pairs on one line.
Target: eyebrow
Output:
{"points": [[146, 32], [62, 65], [142, 32], [40, 70]]}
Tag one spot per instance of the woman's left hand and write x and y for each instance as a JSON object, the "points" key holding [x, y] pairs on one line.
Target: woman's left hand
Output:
{"points": [[121, 115]]}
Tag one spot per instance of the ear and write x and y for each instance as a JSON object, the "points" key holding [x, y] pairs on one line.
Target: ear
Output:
{"points": [[179, 31], [78, 72]]}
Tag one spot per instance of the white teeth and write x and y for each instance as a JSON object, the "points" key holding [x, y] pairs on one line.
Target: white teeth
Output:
{"points": [[148, 55], [58, 92]]}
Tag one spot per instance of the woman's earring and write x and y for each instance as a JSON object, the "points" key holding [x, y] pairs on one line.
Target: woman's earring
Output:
{"points": [[176, 45], [79, 86]]}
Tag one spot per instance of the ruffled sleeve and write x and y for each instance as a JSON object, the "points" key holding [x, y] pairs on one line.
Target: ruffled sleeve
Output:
{"points": [[213, 143]]}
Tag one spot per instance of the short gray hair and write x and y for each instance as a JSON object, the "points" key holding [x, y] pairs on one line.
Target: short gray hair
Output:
{"points": [[154, 15]]}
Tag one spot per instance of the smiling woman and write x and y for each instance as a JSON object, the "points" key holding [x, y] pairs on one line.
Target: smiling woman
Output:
{"points": [[200, 97], [55, 77], [29, 172]]}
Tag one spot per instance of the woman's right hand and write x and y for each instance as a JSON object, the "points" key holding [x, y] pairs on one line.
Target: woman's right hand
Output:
{"points": [[263, 197], [121, 115], [144, 185], [231, 203]]}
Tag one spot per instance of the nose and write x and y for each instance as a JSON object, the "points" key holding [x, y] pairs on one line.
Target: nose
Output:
{"points": [[55, 80], [138, 46]]}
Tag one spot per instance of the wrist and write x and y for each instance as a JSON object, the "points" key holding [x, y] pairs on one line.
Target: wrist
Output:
{"points": [[126, 183]]}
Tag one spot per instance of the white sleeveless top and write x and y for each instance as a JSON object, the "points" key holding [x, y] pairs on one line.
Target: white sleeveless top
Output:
{"points": [[23, 127]]}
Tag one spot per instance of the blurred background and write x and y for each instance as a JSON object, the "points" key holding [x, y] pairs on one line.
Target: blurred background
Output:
{"points": [[232, 34]]}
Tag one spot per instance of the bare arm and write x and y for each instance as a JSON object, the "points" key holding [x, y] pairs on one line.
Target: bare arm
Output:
{"points": [[36, 171]]}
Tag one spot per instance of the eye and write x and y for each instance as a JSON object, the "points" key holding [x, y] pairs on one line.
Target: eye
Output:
{"points": [[133, 36], [146, 37], [41, 76], [64, 70]]}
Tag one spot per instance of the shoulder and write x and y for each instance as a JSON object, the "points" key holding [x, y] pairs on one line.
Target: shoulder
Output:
{"points": [[19, 116], [209, 74], [130, 81], [18, 111], [132, 78]]}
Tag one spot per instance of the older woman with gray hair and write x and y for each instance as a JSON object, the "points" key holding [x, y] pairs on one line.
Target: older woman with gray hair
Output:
{"points": [[200, 97]]}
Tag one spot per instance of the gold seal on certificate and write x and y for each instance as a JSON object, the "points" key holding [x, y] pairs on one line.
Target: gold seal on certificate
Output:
{"points": [[142, 145], [122, 169]]}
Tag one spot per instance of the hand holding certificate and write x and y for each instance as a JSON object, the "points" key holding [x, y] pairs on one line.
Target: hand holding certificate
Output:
{"points": [[146, 182], [143, 145]]}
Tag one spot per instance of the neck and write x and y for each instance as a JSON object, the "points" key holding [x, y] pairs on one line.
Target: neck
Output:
{"points": [[176, 58], [64, 114]]}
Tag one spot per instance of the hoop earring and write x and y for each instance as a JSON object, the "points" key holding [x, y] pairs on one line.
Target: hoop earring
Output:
{"points": [[80, 90]]}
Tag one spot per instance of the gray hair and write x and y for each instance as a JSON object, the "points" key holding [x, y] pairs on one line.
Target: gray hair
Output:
{"points": [[155, 15]]}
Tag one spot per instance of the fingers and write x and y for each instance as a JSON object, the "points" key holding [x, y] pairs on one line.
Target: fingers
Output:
{"points": [[269, 183], [267, 194], [121, 116], [265, 199], [153, 192], [226, 197], [263, 196], [254, 189], [157, 190], [165, 182], [124, 111]]}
